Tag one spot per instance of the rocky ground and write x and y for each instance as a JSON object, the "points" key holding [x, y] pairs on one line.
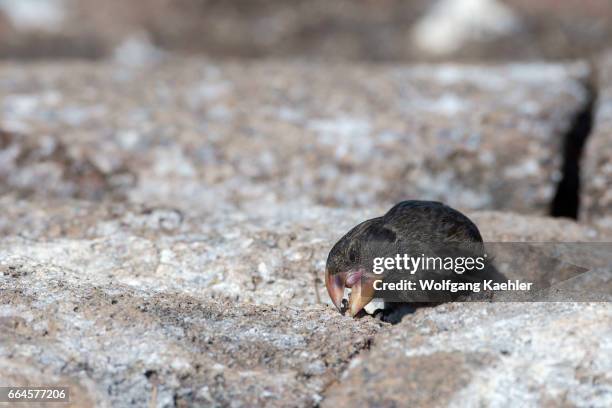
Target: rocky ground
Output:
{"points": [[597, 159], [165, 230], [166, 219], [181, 130], [385, 30]]}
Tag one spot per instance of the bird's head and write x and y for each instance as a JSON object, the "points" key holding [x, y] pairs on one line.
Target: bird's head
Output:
{"points": [[349, 266]]}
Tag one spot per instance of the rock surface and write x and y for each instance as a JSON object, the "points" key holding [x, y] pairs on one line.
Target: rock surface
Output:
{"points": [[191, 132], [478, 354], [128, 304], [242, 256], [347, 29], [597, 158], [509, 227], [164, 231], [167, 349], [156, 304]]}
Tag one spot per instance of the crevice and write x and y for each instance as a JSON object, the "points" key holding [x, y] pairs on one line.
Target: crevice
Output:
{"points": [[566, 202]]}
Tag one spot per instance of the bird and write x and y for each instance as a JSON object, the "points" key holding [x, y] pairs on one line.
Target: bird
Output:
{"points": [[424, 228]]}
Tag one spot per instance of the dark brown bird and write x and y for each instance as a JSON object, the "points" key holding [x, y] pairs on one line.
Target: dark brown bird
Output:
{"points": [[410, 227]]}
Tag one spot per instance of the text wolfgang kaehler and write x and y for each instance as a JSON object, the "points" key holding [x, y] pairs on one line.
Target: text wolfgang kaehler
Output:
{"points": [[459, 265]]}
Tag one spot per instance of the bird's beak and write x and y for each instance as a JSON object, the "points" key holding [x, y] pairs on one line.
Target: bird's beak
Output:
{"points": [[335, 287], [361, 294], [362, 289]]}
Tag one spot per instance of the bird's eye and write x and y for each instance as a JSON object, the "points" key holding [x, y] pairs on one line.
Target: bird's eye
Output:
{"points": [[352, 254]]}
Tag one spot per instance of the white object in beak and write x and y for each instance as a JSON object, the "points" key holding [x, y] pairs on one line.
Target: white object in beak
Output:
{"points": [[374, 305]]}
